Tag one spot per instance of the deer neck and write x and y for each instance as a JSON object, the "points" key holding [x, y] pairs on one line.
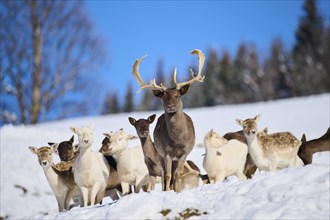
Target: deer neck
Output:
{"points": [[51, 176], [255, 150], [176, 123], [84, 158], [147, 145]]}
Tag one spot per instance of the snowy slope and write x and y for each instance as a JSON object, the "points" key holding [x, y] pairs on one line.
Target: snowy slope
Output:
{"points": [[299, 193]]}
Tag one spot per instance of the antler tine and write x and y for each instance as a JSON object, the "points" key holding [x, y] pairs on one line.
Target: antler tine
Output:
{"points": [[142, 84], [198, 77]]}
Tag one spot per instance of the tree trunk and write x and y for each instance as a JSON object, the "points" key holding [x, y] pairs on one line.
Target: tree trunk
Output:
{"points": [[35, 106]]}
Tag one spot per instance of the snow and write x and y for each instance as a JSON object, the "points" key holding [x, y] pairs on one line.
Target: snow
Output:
{"points": [[292, 193]]}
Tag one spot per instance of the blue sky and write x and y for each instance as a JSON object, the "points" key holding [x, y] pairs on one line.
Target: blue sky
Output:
{"points": [[168, 30]]}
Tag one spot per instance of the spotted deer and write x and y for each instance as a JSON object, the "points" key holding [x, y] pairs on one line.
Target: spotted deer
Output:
{"points": [[273, 151], [249, 168], [174, 134], [61, 182]]}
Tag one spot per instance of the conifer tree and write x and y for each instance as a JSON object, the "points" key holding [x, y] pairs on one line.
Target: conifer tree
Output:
{"points": [[129, 104]]}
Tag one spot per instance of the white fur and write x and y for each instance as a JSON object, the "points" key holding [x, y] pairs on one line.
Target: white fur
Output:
{"points": [[222, 158], [61, 190], [131, 167], [91, 171], [275, 157]]}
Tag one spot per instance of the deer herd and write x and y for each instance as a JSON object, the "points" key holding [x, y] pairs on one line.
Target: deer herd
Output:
{"points": [[84, 177]]}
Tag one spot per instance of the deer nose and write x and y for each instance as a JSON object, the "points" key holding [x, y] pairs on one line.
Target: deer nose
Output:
{"points": [[253, 131], [170, 108], [146, 133], [44, 162], [86, 141]]}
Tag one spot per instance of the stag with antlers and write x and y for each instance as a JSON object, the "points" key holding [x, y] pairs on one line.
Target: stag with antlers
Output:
{"points": [[174, 134]]}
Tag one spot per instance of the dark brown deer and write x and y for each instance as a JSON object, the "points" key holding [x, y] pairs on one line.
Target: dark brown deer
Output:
{"points": [[174, 134], [153, 160], [308, 148]]}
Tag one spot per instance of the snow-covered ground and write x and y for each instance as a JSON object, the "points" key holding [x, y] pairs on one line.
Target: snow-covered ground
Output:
{"points": [[301, 193]]}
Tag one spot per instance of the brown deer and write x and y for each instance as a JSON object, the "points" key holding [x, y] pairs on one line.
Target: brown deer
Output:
{"points": [[308, 148], [174, 134], [152, 159]]}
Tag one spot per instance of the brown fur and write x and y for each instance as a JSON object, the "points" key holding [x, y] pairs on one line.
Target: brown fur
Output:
{"points": [[152, 159], [281, 140], [308, 148], [174, 135]]}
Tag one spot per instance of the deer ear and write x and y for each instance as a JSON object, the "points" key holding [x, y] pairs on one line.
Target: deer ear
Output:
{"points": [[107, 135], [132, 137], [151, 118], [72, 139], [257, 117], [303, 138], [54, 148], [265, 130], [157, 93], [50, 143], [239, 122], [34, 150], [184, 89], [74, 130], [131, 120]]}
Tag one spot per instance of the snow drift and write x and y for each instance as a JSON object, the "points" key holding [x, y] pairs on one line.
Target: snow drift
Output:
{"points": [[300, 193]]}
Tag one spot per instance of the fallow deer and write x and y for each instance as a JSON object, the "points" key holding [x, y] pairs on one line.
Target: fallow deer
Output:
{"points": [[174, 134], [152, 159], [249, 168], [308, 148], [223, 158], [130, 161], [61, 182], [91, 170], [273, 151]]}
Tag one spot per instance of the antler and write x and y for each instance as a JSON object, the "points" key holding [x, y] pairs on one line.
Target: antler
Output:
{"points": [[152, 84], [198, 77]]}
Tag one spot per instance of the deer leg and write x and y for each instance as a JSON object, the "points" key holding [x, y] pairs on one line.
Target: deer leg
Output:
{"points": [[219, 177], [67, 200], [273, 165], [179, 173], [60, 203], [125, 188], [95, 189], [168, 168], [151, 185], [84, 192]]}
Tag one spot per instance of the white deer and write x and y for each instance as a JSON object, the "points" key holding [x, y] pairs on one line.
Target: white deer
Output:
{"points": [[91, 171], [131, 167], [223, 158]]}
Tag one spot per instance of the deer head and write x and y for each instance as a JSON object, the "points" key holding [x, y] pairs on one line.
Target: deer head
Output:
{"points": [[213, 140], [65, 149], [85, 135], [115, 142], [142, 125], [171, 96], [45, 154], [249, 125]]}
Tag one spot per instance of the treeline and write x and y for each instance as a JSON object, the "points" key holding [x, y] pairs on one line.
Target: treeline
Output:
{"points": [[303, 70]]}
